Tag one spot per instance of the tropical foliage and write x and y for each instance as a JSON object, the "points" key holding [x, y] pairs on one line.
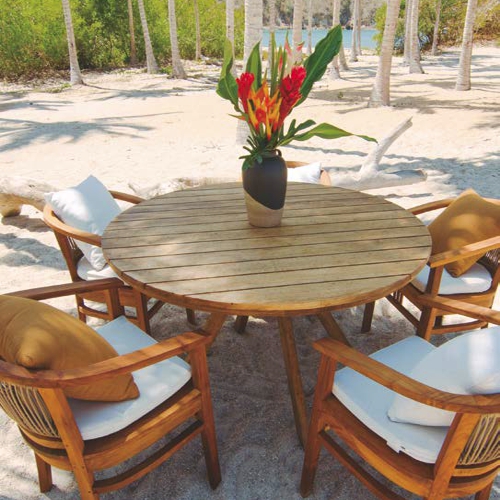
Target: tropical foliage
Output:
{"points": [[33, 36], [265, 100]]}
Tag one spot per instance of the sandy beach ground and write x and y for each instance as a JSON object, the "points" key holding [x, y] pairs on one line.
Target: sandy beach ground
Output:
{"points": [[130, 128]]}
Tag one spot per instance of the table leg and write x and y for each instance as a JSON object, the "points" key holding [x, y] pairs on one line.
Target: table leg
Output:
{"points": [[240, 323], [294, 378], [332, 328], [212, 326]]}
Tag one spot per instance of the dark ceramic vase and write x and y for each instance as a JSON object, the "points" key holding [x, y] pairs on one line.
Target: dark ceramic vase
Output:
{"points": [[265, 190]]}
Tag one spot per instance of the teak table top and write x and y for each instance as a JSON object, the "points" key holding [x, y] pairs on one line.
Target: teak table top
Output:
{"points": [[335, 248]]}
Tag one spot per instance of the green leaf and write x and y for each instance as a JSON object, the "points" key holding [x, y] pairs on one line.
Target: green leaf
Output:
{"points": [[254, 65], [316, 64], [327, 131], [227, 87]]}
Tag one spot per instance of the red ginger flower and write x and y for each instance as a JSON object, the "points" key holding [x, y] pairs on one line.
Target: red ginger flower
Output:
{"points": [[290, 92], [244, 85]]}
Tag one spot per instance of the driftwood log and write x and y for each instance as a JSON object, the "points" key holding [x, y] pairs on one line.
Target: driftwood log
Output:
{"points": [[18, 191], [370, 175]]}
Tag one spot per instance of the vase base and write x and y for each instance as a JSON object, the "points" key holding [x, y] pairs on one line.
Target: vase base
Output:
{"points": [[260, 215]]}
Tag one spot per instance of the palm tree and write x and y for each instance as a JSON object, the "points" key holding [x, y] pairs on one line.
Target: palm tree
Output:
{"points": [[253, 25], [436, 29], [272, 16], [75, 76], [177, 68], [309, 27], [198, 30], [355, 29], [381, 88], [334, 68], [133, 49], [463, 79], [150, 57], [298, 14], [407, 38], [230, 28], [415, 66]]}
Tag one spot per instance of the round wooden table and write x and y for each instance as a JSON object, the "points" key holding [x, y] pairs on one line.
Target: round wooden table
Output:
{"points": [[336, 248]]}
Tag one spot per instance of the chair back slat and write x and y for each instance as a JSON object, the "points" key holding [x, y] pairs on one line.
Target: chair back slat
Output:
{"points": [[71, 253], [483, 445], [491, 260], [26, 407]]}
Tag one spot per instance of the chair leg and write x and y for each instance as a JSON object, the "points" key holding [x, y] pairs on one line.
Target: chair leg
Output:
{"points": [[311, 457], [191, 316], [141, 307], [367, 317], [484, 494], [241, 323], [426, 322], [79, 304], [44, 474]]}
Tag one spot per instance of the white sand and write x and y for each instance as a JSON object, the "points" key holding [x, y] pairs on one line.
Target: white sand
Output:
{"points": [[132, 127]]}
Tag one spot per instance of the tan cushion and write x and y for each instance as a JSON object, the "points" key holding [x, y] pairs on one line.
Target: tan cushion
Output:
{"points": [[38, 336], [466, 220]]}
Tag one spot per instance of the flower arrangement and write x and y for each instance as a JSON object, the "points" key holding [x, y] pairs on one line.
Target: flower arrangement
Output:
{"points": [[265, 100]]}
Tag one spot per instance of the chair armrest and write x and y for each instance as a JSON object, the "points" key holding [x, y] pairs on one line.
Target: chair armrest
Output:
{"points": [[404, 385], [463, 308], [479, 248], [54, 291], [109, 368], [435, 205], [131, 198], [429, 207], [58, 226]]}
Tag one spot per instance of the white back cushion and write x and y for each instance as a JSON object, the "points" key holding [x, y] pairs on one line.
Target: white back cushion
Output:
{"points": [[88, 207], [468, 364], [307, 173]]}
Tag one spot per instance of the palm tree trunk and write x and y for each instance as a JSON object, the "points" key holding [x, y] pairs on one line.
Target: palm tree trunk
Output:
{"points": [[230, 28], [298, 14], [253, 25], [131, 29], [415, 66], [177, 68], [381, 88], [354, 32], [309, 27], [272, 16], [343, 60], [335, 67], [75, 76], [198, 29], [435, 36], [407, 39], [150, 57], [359, 28], [463, 79]]}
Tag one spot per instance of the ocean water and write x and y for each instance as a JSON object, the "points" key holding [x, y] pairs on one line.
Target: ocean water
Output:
{"points": [[367, 34]]}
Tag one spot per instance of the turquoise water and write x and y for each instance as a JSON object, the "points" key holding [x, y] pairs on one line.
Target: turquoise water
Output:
{"points": [[318, 33]]}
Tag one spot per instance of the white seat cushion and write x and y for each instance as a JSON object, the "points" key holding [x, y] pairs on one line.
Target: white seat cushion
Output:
{"points": [[468, 364], [307, 173], [477, 279], [88, 273], [156, 384], [370, 401], [88, 207]]}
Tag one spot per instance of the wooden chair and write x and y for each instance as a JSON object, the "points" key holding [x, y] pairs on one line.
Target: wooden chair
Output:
{"points": [[241, 321], [66, 236], [468, 458], [52, 425], [430, 320]]}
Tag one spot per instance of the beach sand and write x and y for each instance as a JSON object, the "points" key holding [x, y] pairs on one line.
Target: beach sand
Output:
{"points": [[132, 128]]}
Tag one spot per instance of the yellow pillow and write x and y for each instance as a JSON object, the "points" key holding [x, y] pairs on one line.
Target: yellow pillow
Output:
{"points": [[38, 336], [466, 220]]}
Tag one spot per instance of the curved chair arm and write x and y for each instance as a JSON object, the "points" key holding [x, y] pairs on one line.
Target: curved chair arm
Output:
{"points": [[131, 198], [109, 368], [479, 248], [404, 385], [459, 307], [59, 226], [436, 205], [62, 290]]}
